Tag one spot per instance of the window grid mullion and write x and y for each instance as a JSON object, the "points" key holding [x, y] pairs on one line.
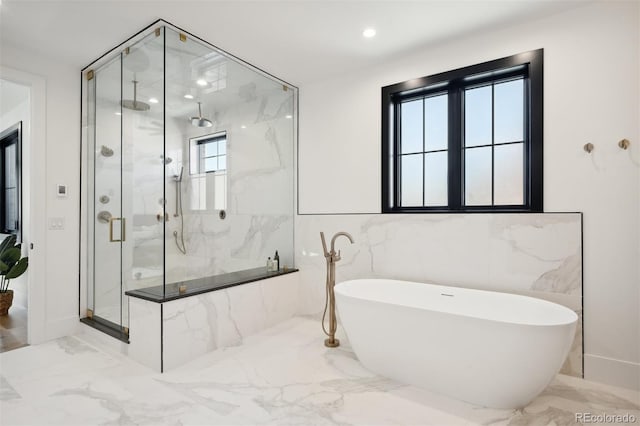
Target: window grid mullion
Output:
{"points": [[493, 140], [455, 128]]}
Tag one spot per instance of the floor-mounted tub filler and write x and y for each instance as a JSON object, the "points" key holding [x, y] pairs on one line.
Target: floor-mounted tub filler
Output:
{"points": [[491, 349]]}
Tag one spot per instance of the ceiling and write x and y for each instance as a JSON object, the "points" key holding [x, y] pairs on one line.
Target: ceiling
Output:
{"points": [[297, 40]]}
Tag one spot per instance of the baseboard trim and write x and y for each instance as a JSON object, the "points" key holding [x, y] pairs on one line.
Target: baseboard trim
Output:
{"points": [[611, 371], [62, 327]]}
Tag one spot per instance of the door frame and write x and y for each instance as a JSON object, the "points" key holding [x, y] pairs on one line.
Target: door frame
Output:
{"points": [[34, 198]]}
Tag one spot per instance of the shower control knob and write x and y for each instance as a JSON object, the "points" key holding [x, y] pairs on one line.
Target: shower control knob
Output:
{"points": [[104, 217], [104, 199]]}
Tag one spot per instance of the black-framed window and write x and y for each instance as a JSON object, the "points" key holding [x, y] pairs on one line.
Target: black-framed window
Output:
{"points": [[466, 140], [10, 180], [209, 153]]}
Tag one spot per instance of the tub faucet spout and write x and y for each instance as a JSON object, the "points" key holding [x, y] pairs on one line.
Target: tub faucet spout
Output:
{"points": [[331, 258]]}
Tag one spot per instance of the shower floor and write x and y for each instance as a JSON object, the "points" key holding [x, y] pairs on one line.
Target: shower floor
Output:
{"points": [[283, 375]]}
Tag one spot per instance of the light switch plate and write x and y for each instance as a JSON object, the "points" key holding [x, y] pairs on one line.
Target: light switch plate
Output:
{"points": [[61, 190], [56, 223]]}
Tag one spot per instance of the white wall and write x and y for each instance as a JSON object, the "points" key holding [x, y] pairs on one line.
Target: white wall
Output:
{"points": [[21, 112], [591, 63], [62, 142]]}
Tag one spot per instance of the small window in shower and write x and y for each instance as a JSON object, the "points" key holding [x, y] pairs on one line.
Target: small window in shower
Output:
{"points": [[208, 171], [208, 153]]}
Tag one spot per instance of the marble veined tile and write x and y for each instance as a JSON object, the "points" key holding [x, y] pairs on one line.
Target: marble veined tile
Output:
{"points": [[195, 325], [7, 391], [536, 255], [281, 376]]}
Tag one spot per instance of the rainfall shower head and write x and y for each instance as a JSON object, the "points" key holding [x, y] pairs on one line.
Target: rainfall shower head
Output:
{"points": [[135, 104], [200, 121]]}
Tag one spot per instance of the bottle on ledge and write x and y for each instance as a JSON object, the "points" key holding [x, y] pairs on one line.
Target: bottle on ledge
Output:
{"points": [[276, 262]]}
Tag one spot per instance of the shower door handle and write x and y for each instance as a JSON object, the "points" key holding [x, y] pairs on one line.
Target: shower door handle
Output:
{"points": [[122, 229]]}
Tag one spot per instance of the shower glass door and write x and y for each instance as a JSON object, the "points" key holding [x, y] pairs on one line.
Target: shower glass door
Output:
{"points": [[143, 164], [108, 230], [126, 178]]}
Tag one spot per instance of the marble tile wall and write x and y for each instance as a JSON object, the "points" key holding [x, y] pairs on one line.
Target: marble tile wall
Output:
{"points": [[145, 333], [199, 324], [537, 255], [259, 124]]}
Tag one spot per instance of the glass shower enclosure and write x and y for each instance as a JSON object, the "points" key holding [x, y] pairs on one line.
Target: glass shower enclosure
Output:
{"points": [[188, 169]]}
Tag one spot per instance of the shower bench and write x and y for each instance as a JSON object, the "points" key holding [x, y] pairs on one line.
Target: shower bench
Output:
{"points": [[173, 324]]}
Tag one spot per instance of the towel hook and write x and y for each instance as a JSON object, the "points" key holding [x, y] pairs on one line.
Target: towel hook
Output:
{"points": [[588, 147], [624, 143]]}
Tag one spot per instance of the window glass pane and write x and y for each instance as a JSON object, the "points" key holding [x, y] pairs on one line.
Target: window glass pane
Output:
{"points": [[10, 166], [435, 179], [477, 176], [509, 175], [411, 190], [210, 148], [509, 111], [411, 127], [477, 116], [222, 147], [211, 164], [194, 159], [436, 122], [222, 162], [11, 209]]}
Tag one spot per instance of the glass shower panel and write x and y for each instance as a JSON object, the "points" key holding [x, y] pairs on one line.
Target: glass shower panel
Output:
{"points": [[107, 208], [230, 192], [143, 164], [190, 170]]}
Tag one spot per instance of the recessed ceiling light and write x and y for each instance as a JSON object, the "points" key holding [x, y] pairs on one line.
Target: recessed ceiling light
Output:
{"points": [[288, 116], [369, 32], [243, 127], [201, 82], [188, 96], [153, 100]]}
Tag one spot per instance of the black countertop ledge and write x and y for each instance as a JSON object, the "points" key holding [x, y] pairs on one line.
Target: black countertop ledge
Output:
{"points": [[171, 291]]}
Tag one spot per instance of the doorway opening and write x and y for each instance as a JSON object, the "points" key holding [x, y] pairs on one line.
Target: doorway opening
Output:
{"points": [[15, 112]]}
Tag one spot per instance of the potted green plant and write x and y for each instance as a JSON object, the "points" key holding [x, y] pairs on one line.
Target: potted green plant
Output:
{"points": [[11, 266]]}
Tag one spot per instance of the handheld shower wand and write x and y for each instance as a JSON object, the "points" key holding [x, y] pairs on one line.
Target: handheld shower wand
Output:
{"points": [[181, 246]]}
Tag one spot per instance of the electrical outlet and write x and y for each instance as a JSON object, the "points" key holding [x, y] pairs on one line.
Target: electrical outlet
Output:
{"points": [[56, 223]]}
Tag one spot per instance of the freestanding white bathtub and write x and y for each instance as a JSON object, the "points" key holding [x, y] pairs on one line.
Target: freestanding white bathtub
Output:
{"points": [[491, 349]]}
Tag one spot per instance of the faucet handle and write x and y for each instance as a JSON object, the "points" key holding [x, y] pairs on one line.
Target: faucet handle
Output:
{"points": [[336, 257]]}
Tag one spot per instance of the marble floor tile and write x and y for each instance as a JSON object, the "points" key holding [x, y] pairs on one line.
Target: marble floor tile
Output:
{"points": [[281, 376]]}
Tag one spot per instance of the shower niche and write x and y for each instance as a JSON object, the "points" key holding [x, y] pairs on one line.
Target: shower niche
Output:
{"points": [[188, 173]]}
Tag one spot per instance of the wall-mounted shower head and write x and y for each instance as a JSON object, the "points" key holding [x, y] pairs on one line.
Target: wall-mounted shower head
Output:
{"points": [[166, 160], [135, 104], [106, 151], [200, 121]]}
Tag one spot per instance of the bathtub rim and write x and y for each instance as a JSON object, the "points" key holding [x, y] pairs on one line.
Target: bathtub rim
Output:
{"points": [[574, 316]]}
